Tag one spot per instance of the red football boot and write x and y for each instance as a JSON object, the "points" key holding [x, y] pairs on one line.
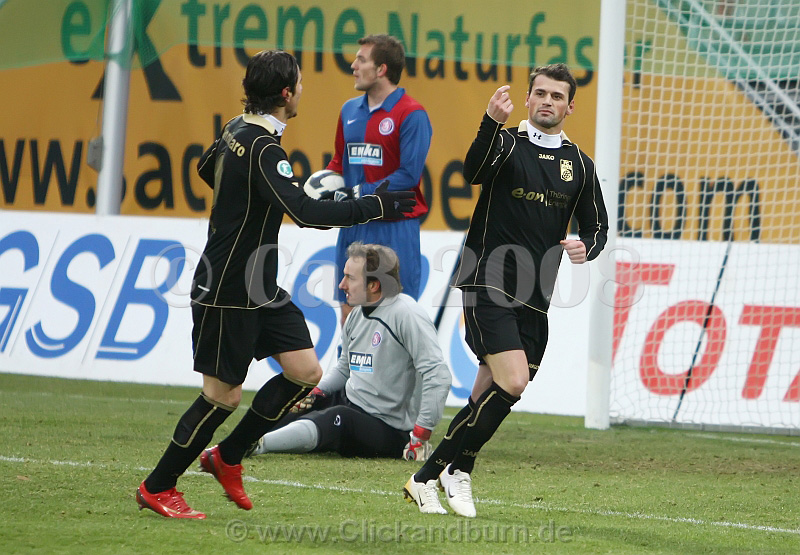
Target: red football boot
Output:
{"points": [[228, 475], [168, 503]]}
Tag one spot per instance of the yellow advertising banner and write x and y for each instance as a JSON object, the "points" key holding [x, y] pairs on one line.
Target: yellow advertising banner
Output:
{"points": [[706, 178], [700, 160], [189, 59]]}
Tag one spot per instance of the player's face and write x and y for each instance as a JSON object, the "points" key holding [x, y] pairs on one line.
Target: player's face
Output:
{"points": [[354, 282], [548, 104], [294, 99], [364, 69]]}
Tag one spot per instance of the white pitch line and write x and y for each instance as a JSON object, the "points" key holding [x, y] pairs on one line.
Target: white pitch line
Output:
{"points": [[749, 440], [82, 397], [538, 506]]}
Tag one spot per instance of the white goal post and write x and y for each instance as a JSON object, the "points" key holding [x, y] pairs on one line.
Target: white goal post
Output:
{"points": [[696, 312]]}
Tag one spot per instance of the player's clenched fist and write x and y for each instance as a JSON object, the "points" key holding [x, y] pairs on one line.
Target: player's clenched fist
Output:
{"points": [[576, 250], [500, 105]]}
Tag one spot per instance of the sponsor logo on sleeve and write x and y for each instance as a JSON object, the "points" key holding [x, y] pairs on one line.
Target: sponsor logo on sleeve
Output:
{"points": [[285, 168]]}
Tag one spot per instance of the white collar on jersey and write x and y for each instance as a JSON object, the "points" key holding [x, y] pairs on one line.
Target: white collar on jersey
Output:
{"points": [[542, 139], [276, 123]]}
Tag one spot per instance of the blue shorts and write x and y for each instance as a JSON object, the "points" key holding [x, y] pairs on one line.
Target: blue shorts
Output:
{"points": [[401, 235]]}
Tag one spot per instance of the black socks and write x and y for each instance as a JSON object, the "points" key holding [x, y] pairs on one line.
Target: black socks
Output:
{"points": [[471, 428], [490, 411], [448, 447], [269, 405], [192, 434]]}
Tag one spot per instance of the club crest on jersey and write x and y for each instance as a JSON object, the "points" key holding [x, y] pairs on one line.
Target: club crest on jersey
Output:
{"points": [[365, 154], [285, 168], [376, 339], [566, 170], [386, 126], [361, 362]]}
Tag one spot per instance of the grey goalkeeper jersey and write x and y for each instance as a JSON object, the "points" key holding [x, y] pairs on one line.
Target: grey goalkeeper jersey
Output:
{"points": [[391, 364]]}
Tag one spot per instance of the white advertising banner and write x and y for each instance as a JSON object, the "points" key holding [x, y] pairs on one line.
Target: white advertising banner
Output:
{"points": [[107, 299], [679, 356]]}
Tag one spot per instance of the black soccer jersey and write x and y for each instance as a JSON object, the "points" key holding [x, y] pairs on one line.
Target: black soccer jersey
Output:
{"points": [[253, 187], [528, 195]]}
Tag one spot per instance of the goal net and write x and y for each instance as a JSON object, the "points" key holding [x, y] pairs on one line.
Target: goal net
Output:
{"points": [[707, 317]]}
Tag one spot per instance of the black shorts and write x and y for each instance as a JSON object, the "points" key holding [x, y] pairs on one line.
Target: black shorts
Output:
{"points": [[226, 340], [347, 429], [493, 327]]}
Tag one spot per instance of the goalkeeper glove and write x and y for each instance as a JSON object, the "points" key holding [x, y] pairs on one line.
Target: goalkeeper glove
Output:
{"points": [[305, 404], [418, 448]]}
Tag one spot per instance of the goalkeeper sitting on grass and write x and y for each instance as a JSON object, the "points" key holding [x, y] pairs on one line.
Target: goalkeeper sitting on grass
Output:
{"points": [[388, 390]]}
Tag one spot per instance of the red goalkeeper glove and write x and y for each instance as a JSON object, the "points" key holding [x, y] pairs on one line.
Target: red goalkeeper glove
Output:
{"points": [[305, 404], [418, 448]]}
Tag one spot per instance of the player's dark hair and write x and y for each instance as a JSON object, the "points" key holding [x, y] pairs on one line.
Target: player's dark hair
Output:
{"points": [[387, 50], [267, 74], [558, 72], [381, 265]]}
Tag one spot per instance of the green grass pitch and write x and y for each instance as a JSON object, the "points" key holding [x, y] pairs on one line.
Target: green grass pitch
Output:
{"points": [[73, 453]]}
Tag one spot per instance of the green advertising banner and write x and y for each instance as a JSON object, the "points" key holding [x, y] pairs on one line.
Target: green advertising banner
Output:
{"points": [[186, 71]]}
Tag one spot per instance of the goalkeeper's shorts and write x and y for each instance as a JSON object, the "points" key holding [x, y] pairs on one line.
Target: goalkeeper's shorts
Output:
{"points": [[347, 429]]}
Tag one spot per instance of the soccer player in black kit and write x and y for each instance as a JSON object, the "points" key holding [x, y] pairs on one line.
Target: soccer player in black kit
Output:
{"points": [[238, 311], [533, 181]]}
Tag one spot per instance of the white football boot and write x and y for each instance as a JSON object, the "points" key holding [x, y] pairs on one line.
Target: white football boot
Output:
{"points": [[424, 495], [458, 489]]}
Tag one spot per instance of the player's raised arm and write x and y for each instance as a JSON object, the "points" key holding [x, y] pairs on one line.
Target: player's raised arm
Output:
{"points": [[484, 153]]}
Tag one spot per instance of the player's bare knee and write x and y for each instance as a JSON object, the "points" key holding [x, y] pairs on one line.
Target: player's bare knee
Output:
{"points": [[310, 375], [516, 387], [314, 376], [220, 392], [230, 399], [513, 384]]}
